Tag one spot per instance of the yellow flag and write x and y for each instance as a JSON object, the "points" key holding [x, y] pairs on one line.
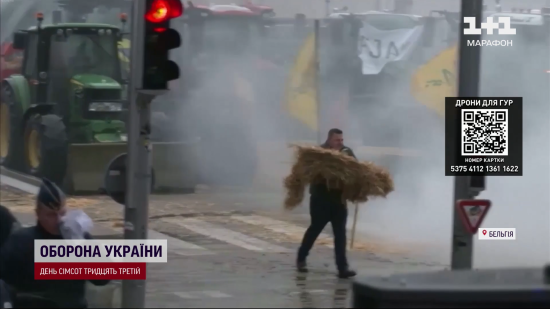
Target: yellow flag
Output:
{"points": [[436, 80], [301, 89], [124, 53]]}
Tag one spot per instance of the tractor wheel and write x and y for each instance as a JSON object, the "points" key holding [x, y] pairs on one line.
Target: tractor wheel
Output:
{"points": [[225, 163], [11, 147], [46, 147]]}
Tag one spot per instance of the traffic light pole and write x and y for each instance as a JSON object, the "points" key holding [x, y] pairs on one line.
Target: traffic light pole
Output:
{"points": [[468, 86], [139, 152]]}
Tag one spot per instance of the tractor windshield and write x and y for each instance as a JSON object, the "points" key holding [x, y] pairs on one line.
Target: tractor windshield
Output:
{"points": [[224, 35], [229, 33], [90, 52]]}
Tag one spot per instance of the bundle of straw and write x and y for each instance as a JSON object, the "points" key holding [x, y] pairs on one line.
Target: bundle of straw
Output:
{"points": [[357, 180]]}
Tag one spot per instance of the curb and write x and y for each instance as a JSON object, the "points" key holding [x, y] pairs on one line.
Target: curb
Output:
{"points": [[20, 176]]}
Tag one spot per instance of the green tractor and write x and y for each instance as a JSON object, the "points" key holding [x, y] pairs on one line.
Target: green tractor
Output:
{"points": [[63, 117]]}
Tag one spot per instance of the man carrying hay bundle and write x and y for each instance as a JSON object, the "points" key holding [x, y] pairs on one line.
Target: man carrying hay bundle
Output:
{"points": [[335, 177]]}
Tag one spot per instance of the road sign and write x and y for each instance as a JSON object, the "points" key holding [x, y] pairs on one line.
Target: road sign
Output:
{"points": [[472, 213]]}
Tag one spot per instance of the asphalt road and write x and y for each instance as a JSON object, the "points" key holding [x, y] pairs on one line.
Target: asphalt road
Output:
{"points": [[223, 253]]}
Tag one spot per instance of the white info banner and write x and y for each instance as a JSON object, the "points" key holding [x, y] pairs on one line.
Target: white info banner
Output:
{"points": [[379, 47]]}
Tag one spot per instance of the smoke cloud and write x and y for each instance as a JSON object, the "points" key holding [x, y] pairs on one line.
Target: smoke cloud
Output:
{"points": [[236, 109], [420, 211], [418, 215]]}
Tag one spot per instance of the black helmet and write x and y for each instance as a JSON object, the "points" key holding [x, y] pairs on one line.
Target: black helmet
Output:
{"points": [[50, 195]]}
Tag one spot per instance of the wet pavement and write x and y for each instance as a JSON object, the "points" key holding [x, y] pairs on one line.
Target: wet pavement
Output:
{"points": [[235, 248], [244, 278]]}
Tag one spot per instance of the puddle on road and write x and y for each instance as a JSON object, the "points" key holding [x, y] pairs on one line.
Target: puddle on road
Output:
{"points": [[330, 293]]}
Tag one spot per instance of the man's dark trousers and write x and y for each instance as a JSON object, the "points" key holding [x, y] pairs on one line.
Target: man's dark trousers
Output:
{"points": [[323, 211]]}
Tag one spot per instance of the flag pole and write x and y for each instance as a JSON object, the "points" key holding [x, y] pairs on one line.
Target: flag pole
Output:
{"points": [[352, 240], [317, 83]]}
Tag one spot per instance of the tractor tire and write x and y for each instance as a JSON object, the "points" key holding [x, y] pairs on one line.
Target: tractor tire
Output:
{"points": [[11, 114], [46, 147], [235, 164]]}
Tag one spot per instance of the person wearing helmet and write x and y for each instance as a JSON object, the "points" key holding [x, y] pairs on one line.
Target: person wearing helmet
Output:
{"points": [[17, 254]]}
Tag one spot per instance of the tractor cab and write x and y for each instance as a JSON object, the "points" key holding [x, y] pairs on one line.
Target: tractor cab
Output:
{"points": [[222, 30], [65, 100], [73, 67]]}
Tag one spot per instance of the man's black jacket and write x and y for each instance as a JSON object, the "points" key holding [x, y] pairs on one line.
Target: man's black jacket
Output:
{"points": [[7, 224], [5, 297], [17, 270], [320, 190]]}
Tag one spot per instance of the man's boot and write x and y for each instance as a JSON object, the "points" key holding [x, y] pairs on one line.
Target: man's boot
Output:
{"points": [[301, 267], [346, 273]]}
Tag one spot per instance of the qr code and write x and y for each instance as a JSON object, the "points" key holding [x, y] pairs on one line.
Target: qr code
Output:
{"points": [[485, 132]]}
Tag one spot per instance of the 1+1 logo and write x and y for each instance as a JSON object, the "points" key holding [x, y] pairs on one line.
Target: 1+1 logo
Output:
{"points": [[490, 26]]}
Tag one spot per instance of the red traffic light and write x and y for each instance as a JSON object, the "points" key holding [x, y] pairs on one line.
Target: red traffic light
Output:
{"points": [[163, 10]]}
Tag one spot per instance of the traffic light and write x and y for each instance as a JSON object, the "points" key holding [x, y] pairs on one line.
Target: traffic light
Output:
{"points": [[158, 70], [476, 183]]}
